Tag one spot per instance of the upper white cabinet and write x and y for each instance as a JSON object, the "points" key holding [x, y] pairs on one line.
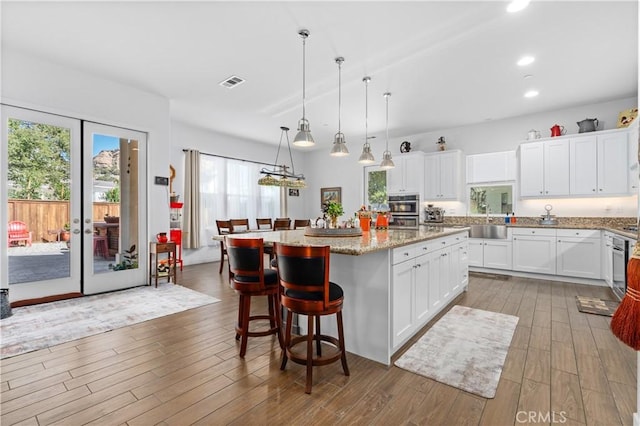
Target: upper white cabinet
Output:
{"points": [[441, 174], [599, 164], [596, 163], [408, 174], [544, 168], [491, 167]]}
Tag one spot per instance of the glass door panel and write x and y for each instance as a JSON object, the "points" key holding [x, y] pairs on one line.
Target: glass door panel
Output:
{"points": [[40, 158], [114, 231]]}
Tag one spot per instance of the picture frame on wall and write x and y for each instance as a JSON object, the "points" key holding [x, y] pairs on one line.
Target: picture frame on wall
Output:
{"points": [[330, 194], [294, 192]]}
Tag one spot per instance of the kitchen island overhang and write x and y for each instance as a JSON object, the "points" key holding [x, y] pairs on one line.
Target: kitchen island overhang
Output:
{"points": [[394, 281]]}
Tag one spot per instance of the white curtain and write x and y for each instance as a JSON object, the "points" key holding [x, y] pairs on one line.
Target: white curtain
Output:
{"points": [[191, 237], [229, 190]]}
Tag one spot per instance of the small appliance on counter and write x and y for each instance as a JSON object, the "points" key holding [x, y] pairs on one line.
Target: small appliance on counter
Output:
{"points": [[548, 219], [433, 214]]}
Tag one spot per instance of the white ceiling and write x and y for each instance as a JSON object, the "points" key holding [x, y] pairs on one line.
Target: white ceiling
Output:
{"points": [[446, 63]]}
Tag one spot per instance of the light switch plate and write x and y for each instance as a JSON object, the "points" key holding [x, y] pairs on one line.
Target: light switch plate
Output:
{"points": [[161, 180]]}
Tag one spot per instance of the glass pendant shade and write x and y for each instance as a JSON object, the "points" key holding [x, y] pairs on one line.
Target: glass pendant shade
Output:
{"points": [[366, 157], [339, 148], [303, 138], [387, 162]]}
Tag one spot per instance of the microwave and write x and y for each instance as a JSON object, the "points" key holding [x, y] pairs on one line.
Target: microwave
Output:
{"points": [[406, 204]]}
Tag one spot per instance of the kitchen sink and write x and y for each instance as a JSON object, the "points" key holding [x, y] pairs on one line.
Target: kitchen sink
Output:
{"points": [[488, 231]]}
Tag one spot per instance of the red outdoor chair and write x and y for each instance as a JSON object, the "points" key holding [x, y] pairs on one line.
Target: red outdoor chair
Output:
{"points": [[18, 232]]}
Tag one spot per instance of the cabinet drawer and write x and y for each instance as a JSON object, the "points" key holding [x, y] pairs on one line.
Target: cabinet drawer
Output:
{"points": [[402, 254], [582, 233], [535, 231]]}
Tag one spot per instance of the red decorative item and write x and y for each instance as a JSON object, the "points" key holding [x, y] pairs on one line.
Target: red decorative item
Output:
{"points": [[162, 237]]}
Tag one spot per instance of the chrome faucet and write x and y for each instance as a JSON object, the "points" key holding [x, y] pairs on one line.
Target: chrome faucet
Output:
{"points": [[489, 219]]}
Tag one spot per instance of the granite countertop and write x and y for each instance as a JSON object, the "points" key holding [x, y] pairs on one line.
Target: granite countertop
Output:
{"points": [[368, 242]]}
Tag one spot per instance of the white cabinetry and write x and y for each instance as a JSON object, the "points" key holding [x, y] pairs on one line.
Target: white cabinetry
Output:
{"points": [[426, 276], [534, 250], [408, 174], [490, 253], [607, 258], [544, 168], [578, 253], [441, 174], [599, 164], [491, 167]]}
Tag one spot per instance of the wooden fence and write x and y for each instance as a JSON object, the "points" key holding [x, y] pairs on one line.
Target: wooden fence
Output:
{"points": [[46, 218]]}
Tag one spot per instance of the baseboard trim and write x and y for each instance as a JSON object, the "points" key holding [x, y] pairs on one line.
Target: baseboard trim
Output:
{"points": [[574, 280], [46, 299]]}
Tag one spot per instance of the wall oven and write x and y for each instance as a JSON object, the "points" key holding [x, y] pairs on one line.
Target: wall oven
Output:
{"points": [[405, 211], [620, 257]]}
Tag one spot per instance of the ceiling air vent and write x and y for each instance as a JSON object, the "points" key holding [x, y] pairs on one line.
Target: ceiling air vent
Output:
{"points": [[231, 82]]}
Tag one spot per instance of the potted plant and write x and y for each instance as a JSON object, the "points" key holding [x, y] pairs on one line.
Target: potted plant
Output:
{"points": [[333, 210], [65, 234]]}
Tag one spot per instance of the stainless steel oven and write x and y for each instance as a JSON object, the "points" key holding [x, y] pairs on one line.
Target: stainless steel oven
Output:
{"points": [[405, 211], [620, 257]]}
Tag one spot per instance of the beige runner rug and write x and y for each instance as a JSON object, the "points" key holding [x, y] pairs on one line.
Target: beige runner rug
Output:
{"points": [[39, 326], [465, 349]]}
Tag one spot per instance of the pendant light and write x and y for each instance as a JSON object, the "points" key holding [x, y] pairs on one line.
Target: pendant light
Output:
{"points": [[287, 179], [303, 138], [339, 148], [387, 162], [366, 157]]}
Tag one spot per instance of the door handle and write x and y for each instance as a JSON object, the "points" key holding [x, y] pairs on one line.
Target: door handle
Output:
{"points": [[86, 231]]}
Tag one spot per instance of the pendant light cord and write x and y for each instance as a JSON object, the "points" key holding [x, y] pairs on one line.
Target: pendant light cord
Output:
{"points": [[386, 95], [339, 61], [366, 110], [304, 43]]}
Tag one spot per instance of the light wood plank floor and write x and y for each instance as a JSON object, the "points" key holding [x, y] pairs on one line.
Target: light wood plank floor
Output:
{"points": [[184, 369]]}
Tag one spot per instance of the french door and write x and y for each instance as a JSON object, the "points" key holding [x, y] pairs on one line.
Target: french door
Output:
{"points": [[55, 194]]}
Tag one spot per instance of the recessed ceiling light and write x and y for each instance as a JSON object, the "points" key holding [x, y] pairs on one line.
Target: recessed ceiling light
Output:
{"points": [[517, 5], [531, 93], [526, 60]]}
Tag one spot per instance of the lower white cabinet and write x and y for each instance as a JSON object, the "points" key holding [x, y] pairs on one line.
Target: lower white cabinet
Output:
{"points": [[426, 276], [534, 250], [490, 253], [578, 253]]}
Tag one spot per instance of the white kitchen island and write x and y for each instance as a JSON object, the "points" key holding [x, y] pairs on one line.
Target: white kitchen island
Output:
{"points": [[394, 282]]}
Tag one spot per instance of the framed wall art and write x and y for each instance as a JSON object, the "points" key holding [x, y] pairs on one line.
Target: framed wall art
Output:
{"points": [[330, 194]]}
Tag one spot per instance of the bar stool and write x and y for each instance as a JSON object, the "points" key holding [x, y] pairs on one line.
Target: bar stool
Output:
{"points": [[306, 290], [100, 246], [246, 260]]}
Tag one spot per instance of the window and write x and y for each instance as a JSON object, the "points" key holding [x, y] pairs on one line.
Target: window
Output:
{"points": [[229, 190], [494, 198], [375, 187]]}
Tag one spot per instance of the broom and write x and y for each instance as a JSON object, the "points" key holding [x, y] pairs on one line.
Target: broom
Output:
{"points": [[625, 323]]}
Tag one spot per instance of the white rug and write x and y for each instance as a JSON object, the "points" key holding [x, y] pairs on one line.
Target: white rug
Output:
{"points": [[39, 326], [465, 349]]}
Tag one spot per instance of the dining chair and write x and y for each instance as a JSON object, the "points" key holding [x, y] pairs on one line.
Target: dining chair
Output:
{"points": [[250, 279], [240, 225], [282, 224], [301, 223], [305, 289], [224, 227], [264, 223]]}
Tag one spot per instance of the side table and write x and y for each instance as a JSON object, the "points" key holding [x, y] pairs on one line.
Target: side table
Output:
{"points": [[155, 249]]}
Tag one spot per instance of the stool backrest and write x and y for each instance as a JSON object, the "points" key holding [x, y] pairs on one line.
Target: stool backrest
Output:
{"points": [[246, 261], [301, 223], [240, 225], [224, 227], [303, 269], [264, 223], [282, 224]]}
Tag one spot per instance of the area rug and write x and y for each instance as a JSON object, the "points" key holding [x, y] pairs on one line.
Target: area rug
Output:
{"points": [[594, 305], [465, 349], [40, 326]]}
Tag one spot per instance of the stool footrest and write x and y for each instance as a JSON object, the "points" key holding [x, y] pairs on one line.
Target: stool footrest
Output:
{"points": [[317, 360]]}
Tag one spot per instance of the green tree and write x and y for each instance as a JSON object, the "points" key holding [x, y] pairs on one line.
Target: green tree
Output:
{"points": [[39, 161], [113, 195], [377, 190]]}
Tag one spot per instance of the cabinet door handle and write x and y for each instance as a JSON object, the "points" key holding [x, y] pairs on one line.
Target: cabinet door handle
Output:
{"points": [[600, 189], [594, 190]]}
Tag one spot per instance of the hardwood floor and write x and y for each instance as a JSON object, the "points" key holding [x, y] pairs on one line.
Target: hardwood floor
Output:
{"points": [[563, 366]]}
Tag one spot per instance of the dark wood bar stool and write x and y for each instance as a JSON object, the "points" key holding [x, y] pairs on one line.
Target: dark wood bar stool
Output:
{"points": [[224, 227], [250, 278], [306, 290]]}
